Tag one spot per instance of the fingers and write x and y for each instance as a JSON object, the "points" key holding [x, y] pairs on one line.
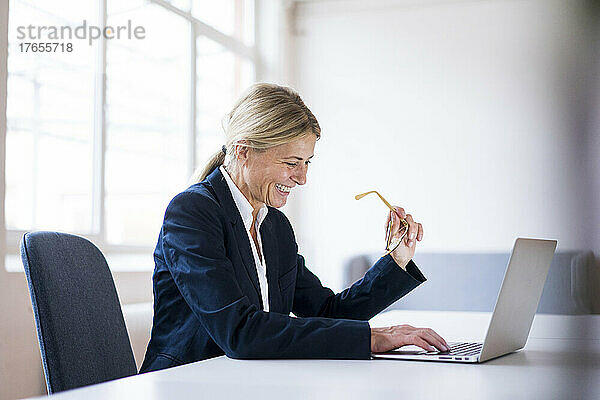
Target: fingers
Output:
{"points": [[440, 338], [387, 227], [413, 230], [385, 339], [418, 341], [400, 214], [434, 339], [387, 220], [395, 221], [427, 339], [400, 211]]}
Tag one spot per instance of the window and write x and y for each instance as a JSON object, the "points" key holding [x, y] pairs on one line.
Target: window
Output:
{"points": [[101, 138], [147, 90], [221, 76], [49, 128]]}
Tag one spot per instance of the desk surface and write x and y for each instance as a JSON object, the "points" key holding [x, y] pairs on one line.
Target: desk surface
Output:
{"points": [[561, 360]]}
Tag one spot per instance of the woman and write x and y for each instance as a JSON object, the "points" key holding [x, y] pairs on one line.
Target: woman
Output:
{"points": [[228, 273]]}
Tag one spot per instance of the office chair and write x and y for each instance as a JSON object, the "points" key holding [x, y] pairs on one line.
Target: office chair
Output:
{"points": [[81, 331]]}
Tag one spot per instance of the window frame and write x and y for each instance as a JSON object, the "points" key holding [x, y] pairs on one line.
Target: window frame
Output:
{"points": [[197, 28]]}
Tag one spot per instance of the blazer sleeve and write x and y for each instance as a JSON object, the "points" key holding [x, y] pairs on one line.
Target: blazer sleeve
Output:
{"points": [[194, 250], [383, 284]]}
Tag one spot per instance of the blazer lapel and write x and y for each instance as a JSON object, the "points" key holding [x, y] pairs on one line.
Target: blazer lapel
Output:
{"points": [[271, 255], [217, 181], [245, 251]]}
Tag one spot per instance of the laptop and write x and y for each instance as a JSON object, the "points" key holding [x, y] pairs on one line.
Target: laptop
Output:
{"points": [[513, 314]]}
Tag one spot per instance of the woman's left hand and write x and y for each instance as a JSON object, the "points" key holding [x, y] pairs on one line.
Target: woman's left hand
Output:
{"points": [[406, 249]]}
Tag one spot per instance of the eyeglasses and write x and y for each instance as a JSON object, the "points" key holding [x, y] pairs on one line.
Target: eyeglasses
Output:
{"points": [[391, 242]]}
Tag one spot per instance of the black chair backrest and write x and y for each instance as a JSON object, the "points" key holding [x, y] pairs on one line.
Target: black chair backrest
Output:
{"points": [[80, 326]]}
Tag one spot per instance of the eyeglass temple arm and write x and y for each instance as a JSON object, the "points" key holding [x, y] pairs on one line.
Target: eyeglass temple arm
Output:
{"points": [[360, 196]]}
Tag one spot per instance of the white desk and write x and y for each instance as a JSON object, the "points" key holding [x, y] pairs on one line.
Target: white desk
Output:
{"points": [[561, 361]]}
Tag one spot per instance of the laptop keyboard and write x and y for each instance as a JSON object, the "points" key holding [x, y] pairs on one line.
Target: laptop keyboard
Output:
{"points": [[463, 349]]}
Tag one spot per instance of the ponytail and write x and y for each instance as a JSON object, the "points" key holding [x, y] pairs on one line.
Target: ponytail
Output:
{"points": [[215, 162]]}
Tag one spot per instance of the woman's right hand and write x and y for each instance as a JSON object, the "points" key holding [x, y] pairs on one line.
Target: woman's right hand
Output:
{"points": [[392, 337], [405, 251]]}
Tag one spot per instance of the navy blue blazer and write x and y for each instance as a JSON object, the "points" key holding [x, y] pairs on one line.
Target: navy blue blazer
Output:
{"points": [[207, 297]]}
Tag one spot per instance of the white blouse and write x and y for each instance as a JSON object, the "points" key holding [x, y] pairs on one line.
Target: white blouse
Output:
{"points": [[245, 209]]}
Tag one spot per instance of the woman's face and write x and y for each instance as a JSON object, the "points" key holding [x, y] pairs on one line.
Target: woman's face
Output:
{"points": [[269, 176]]}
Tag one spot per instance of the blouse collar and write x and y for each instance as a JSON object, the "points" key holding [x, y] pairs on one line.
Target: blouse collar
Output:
{"points": [[242, 203]]}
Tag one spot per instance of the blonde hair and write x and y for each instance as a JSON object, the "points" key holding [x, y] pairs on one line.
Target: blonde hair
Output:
{"points": [[265, 116]]}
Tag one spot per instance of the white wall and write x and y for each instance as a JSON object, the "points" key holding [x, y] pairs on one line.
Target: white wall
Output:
{"points": [[463, 112], [272, 36]]}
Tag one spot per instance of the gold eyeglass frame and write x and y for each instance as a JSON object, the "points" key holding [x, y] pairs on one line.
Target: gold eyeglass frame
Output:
{"points": [[389, 246]]}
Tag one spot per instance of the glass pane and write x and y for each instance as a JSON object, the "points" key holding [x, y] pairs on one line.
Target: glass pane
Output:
{"points": [[247, 27], [146, 121], [50, 108], [221, 77], [232, 17], [218, 14]]}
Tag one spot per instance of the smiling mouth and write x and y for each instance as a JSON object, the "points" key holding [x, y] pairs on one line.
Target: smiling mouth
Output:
{"points": [[283, 188]]}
